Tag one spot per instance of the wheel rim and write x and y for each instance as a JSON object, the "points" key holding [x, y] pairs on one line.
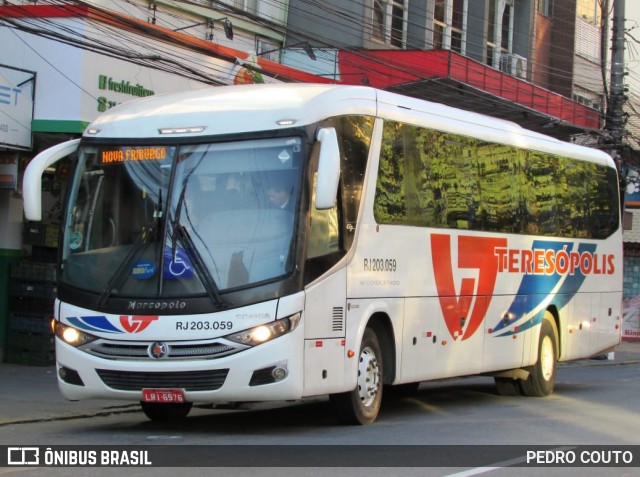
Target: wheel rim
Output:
{"points": [[547, 358], [368, 377]]}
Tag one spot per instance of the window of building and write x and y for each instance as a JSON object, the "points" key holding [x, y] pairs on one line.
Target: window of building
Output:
{"points": [[500, 30], [390, 22], [590, 11], [250, 6], [544, 7], [449, 25], [268, 49]]}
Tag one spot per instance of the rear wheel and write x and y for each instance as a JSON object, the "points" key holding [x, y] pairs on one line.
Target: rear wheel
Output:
{"points": [[361, 406], [542, 375], [162, 412]]}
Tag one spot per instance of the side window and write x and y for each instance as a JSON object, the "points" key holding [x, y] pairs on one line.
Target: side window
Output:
{"points": [[571, 199], [431, 178], [498, 174], [603, 195], [324, 228], [390, 205], [457, 162], [540, 212], [331, 231], [354, 139], [427, 178]]}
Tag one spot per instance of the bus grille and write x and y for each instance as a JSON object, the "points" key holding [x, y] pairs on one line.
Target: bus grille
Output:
{"points": [[209, 380], [183, 351]]}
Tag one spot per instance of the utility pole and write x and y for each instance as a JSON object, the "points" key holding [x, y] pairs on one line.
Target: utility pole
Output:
{"points": [[615, 120]]}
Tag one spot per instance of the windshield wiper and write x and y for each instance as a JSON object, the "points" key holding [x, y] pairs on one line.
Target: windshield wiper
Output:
{"points": [[181, 233], [122, 271], [149, 231], [176, 220]]}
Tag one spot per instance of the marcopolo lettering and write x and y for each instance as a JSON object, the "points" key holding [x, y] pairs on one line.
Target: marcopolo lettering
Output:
{"points": [[157, 305]]}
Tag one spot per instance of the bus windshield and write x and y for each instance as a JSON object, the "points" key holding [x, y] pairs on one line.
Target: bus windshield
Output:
{"points": [[180, 220]]}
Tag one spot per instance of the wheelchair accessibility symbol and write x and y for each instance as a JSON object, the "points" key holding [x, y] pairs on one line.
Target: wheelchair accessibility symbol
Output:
{"points": [[177, 266]]}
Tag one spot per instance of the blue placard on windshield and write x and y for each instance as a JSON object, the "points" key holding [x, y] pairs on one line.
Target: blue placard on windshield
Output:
{"points": [[177, 265], [143, 270]]}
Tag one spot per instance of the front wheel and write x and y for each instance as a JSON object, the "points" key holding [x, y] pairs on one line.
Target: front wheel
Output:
{"points": [[165, 412], [361, 406], [542, 375]]}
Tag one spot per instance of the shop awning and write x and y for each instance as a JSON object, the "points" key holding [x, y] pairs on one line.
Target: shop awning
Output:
{"points": [[450, 78]]}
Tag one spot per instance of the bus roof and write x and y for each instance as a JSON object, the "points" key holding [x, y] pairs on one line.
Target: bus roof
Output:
{"points": [[247, 108], [233, 109]]}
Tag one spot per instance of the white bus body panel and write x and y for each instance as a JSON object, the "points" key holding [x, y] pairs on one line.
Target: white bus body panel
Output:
{"points": [[324, 347], [396, 271]]}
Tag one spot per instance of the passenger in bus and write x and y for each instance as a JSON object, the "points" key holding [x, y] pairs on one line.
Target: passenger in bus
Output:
{"points": [[280, 194]]}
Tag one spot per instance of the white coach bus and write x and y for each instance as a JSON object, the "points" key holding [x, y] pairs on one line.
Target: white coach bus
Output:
{"points": [[276, 242]]}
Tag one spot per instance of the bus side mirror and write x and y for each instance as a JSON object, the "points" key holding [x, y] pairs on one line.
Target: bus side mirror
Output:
{"points": [[32, 180], [328, 169]]}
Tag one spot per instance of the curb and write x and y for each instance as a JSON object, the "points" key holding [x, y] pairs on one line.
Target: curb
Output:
{"points": [[130, 408]]}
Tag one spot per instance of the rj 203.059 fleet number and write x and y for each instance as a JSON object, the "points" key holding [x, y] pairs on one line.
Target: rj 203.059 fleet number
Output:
{"points": [[203, 325], [379, 265]]}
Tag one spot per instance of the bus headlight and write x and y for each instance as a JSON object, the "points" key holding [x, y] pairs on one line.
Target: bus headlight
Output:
{"points": [[73, 336], [266, 332]]}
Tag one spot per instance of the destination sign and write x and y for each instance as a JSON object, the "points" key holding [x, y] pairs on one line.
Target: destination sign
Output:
{"points": [[132, 154]]}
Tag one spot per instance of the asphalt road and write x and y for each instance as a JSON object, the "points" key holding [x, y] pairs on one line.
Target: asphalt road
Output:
{"points": [[596, 403]]}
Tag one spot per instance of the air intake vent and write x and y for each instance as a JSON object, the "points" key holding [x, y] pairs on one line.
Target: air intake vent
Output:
{"points": [[337, 319], [186, 350], [207, 380]]}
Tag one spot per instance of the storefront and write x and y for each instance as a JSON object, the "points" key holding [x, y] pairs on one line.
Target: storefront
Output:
{"points": [[49, 92]]}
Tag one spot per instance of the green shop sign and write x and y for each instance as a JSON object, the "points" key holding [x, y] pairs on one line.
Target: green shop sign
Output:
{"points": [[107, 83]]}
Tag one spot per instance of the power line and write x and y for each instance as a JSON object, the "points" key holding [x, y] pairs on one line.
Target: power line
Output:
{"points": [[185, 63]]}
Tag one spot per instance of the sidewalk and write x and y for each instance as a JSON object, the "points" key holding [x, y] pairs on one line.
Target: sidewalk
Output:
{"points": [[30, 393]]}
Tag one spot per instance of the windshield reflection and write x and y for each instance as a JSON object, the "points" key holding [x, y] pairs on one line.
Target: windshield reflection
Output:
{"points": [[229, 221]]}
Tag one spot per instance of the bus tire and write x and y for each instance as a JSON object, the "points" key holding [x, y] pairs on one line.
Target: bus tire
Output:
{"points": [[542, 375], [166, 412], [361, 406], [508, 386]]}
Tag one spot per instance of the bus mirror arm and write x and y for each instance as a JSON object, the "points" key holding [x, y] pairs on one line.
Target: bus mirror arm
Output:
{"points": [[32, 181], [328, 169]]}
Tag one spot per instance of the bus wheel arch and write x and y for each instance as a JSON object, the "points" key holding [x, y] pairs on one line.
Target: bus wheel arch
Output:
{"points": [[376, 366], [553, 314], [542, 374], [380, 323]]}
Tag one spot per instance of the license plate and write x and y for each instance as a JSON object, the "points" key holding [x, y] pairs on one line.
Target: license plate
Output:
{"points": [[163, 395]]}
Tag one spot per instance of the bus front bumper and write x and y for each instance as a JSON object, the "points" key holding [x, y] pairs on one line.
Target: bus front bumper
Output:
{"points": [[269, 372]]}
